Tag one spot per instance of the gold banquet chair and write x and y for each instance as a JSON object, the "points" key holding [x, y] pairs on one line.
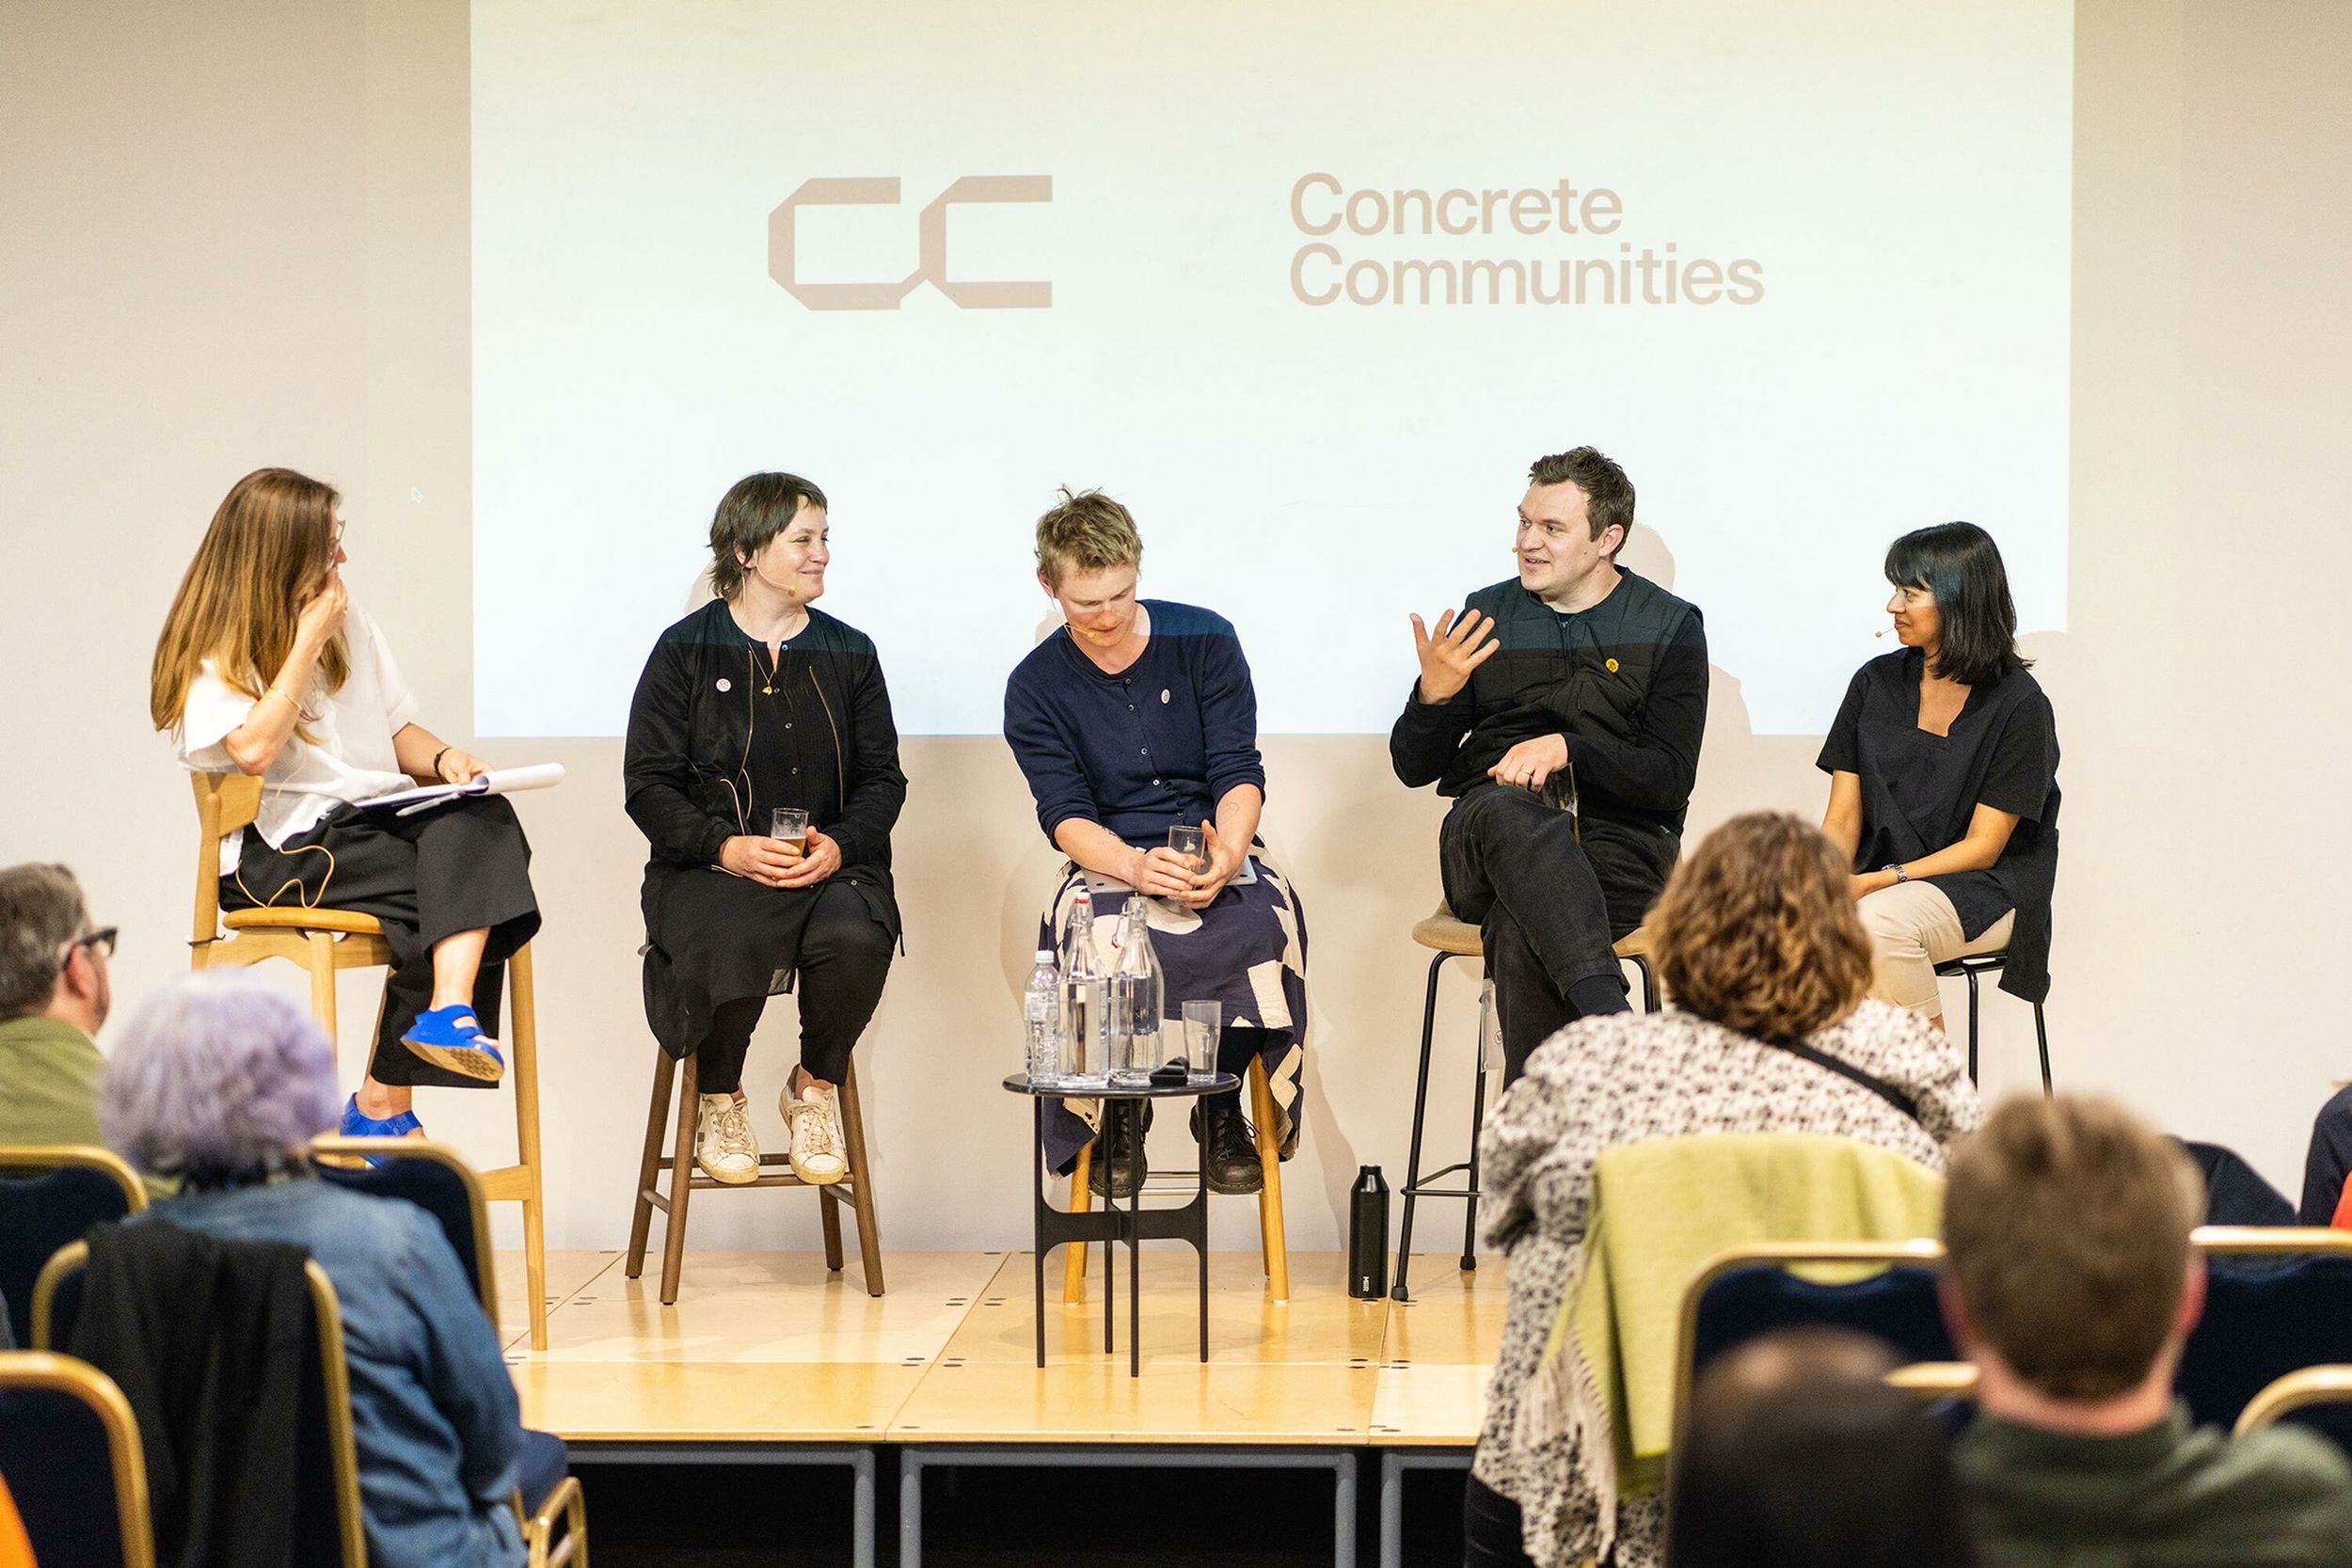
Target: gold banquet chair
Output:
{"points": [[328, 941], [467, 1224], [2297, 1391], [40, 1159], [62, 1276], [39, 1394]]}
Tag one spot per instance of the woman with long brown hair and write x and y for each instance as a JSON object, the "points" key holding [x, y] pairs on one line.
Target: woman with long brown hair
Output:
{"points": [[1772, 1029], [265, 666]]}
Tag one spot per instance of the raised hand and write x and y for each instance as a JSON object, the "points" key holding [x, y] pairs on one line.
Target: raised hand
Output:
{"points": [[322, 614], [1448, 654]]}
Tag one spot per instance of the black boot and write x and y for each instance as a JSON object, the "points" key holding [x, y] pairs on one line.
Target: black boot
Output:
{"points": [[1227, 1151], [1118, 1167]]}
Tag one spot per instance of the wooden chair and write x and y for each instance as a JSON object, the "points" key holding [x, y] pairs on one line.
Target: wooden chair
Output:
{"points": [[56, 1299], [1273, 1243], [326, 941], [60, 1422], [856, 1189], [1449, 938]]}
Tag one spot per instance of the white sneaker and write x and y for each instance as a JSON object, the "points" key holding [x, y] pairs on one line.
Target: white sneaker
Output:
{"points": [[723, 1145], [816, 1157]]}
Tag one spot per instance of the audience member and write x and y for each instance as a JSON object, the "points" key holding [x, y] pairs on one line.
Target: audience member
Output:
{"points": [[222, 1080], [1799, 1455], [55, 992], [2072, 1286], [1757, 940], [2326, 1164]]}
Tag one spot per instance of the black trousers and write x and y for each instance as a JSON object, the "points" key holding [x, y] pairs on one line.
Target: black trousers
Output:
{"points": [[844, 959], [1490, 1529], [1549, 906], [465, 866]]}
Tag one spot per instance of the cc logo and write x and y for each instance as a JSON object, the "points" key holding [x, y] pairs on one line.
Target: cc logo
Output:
{"points": [[931, 265]]}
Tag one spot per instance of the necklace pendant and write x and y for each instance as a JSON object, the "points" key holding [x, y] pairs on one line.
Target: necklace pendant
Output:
{"points": [[766, 691]]}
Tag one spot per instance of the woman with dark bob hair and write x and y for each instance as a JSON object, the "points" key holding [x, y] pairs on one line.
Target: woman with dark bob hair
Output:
{"points": [[755, 703], [1772, 1030], [1943, 765], [222, 1080]]}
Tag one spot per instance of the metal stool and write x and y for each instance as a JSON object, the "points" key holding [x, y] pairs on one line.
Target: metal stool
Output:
{"points": [[1458, 939], [1993, 963]]}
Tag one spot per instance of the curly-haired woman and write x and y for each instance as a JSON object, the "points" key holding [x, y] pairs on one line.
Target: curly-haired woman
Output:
{"points": [[1773, 1030]]}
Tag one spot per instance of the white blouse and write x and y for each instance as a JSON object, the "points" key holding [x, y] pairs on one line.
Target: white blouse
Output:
{"points": [[351, 760]]}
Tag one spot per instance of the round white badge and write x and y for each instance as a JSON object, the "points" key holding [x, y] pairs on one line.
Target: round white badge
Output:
{"points": [[1163, 693], [725, 684]]}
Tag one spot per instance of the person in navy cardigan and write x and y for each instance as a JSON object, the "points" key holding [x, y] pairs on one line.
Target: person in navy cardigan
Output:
{"points": [[1133, 716]]}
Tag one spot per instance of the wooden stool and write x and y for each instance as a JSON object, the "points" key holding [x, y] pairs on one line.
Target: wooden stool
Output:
{"points": [[856, 1187], [1970, 967], [1458, 939], [326, 941], [1272, 1244]]}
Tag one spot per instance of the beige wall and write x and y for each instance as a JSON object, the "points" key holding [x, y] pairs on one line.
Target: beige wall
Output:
{"points": [[237, 235]]}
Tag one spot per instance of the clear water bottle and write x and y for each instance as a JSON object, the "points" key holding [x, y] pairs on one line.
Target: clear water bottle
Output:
{"points": [[1086, 1035], [1138, 994], [1041, 1012]]}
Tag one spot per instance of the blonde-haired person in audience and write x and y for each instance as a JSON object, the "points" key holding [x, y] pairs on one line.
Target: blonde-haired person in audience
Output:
{"points": [[266, 667], [2072, 1284], [1757, 941]]}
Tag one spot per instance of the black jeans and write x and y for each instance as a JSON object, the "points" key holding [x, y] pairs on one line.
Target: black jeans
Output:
{"points": [[465, 866], [1547, 906], [843, 961]]}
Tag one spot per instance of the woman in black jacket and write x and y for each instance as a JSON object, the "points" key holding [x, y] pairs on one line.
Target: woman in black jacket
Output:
{"points": [[753, 703]]}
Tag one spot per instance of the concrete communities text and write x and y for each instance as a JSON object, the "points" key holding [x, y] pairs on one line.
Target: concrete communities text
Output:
{"points": [[1323, 274]]}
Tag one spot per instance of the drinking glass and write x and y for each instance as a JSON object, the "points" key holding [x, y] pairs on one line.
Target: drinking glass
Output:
{"points": [[1190, 843], [791, 824], [1203, 1023]]}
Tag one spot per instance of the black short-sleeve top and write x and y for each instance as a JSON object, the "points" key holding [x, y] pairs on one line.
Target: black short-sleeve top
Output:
{"points": [[1919, 791]]}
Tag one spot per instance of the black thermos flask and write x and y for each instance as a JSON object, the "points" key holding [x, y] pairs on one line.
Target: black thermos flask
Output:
{"points": [[1368, 1236]]}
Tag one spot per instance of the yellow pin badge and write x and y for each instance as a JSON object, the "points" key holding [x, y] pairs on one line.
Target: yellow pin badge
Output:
{"points": [[1613, 666]]}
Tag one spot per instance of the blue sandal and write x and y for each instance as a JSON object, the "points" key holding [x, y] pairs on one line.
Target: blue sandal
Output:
{"points": [[450, 1040], [358, 1124]]}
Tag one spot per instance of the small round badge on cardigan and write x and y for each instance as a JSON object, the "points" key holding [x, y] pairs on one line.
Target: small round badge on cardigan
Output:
{"points": [[1163, 693], [725, 684]]}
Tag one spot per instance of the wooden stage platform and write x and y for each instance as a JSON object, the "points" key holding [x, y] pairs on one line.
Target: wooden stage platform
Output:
{"points": [[769, 1348], [768, 1359]]}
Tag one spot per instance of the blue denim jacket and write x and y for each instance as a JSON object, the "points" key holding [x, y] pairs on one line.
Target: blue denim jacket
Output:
{"points": [[434, 1413]]}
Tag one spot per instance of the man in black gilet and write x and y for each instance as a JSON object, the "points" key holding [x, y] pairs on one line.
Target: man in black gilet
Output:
{"points": [[1581, 674]]}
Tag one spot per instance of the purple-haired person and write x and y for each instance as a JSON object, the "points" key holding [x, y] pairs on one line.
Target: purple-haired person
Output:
{"points": [[222, 1080]]}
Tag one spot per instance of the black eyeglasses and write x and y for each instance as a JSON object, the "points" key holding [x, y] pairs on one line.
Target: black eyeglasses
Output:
{"points": [[103, 939]]}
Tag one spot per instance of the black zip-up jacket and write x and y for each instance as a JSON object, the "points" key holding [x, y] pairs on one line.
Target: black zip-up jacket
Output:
{"points": [[1625, 681], [689, 770]]}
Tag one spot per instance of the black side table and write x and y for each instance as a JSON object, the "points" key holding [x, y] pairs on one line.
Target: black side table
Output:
{"points": [[1108, 1225]]}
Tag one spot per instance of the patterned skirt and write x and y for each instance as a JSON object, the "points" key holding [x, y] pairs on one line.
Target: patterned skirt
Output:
{"points": [[1246, 952]]}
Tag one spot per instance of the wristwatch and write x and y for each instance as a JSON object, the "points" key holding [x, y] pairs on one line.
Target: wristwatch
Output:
{"points": [[1901, 875]]}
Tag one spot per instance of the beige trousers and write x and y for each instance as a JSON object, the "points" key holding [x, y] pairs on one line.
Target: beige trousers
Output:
{"points": [[1912, 928]]}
